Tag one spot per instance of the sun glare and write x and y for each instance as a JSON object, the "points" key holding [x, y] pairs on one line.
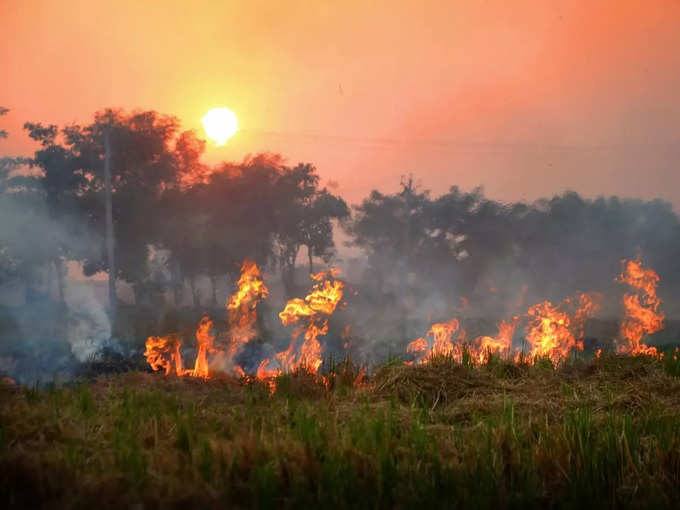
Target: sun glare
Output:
{"points": [[220, 124]]}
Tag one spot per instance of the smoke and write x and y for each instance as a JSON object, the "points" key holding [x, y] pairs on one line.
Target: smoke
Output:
{"points": [[49, 323], [548, 251], [89, 329], [518, 255]]}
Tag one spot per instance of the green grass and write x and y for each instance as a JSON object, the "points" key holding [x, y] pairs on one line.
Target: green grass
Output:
{"points": [[602, 432]]}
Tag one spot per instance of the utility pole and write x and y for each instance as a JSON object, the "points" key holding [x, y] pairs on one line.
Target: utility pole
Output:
{"points": [[113, 301]]}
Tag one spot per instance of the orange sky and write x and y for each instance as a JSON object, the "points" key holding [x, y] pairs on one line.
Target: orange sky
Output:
{"points": [[527, 98]]}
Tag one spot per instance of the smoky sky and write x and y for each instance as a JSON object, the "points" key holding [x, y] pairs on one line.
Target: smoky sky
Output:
{"points": [[527, 98]]}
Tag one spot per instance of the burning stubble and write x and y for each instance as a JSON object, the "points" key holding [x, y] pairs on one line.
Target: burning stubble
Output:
{"points": [[551, 332]]}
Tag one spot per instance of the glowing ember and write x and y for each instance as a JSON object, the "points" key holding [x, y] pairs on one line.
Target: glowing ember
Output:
{"points": [[642, 315]]}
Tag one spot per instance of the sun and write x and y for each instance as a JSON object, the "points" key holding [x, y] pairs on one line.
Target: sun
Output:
{"points": [[220, 124]]}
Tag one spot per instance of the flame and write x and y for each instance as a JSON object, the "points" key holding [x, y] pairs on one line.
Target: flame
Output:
{"points": [[442, 333], [265, 374], [548, 332], [501, 344], [588, 304], [641, 308], [242, 306], [553, 333], [346, 336], [205, 337], [311, 317], [313, 312], [442, 345], [360, 381], [162, 352], [420, 349]]}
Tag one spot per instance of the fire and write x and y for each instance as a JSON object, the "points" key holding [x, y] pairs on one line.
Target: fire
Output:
{"points": [[205, 337], [420, 349], [548, 332], [553, 333], [442, 333], [311, 317], [242, 306], [501, 344], [641, 308], [442, 345], [312, 313], [588, 304], [163, 353]]}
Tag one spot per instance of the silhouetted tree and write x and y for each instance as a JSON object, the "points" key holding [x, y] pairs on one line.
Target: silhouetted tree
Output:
{"points": [[304, 215], [143, 167], [27, 241]]}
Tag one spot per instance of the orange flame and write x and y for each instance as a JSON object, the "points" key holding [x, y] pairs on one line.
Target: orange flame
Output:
{"points": [[501, 344], [314, 310], [205, 337], [420, 349], [642, 315], [548, 332], [162, 352], [311, 314], [442, 345], [242, 306], [442, 333], [553, 333]]}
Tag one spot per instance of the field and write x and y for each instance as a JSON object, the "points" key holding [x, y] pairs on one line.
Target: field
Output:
{"points": [[591, 432]]}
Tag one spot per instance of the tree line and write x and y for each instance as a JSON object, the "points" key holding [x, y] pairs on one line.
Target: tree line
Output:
{"points": [[207, 220]]}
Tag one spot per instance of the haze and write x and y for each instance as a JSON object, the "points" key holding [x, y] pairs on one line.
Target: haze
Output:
{"points": [[526, 98]]}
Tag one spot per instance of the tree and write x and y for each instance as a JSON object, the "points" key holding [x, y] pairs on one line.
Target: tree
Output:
{"points": [[304, 216], [29, 238], [143, 166], [397, 233]]}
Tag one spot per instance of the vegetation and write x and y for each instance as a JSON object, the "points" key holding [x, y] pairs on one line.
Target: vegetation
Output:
{"points": [[605, 432], [602, 431], [177, 221]]}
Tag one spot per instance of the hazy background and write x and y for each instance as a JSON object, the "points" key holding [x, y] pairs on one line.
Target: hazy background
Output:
{"points": [[527, 98]]}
